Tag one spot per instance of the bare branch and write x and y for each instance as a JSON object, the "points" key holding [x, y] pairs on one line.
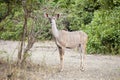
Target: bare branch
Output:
{"points": [[55, 8], [23, 33]]}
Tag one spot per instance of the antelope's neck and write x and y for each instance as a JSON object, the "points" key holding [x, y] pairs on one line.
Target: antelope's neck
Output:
{"points": [[54, 29]]}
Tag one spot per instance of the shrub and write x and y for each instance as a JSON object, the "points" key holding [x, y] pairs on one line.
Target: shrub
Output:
{"points": [[104, 32]]}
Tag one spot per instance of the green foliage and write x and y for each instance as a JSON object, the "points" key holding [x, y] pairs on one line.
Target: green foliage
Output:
{"points": [[12, 27], [104, 32], [99, 18]]}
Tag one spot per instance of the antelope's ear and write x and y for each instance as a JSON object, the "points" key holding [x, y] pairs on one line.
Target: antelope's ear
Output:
{"points": [[46, 15], [57, 15]]}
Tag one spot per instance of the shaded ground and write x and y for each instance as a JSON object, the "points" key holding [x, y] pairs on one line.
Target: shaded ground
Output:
{"points": [[43, 64]]}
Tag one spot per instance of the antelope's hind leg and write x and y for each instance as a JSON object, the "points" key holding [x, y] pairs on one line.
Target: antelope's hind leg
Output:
{"points": [[82, 50]]}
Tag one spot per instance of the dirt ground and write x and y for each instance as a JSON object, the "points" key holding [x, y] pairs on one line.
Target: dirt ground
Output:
{"points": [[45, 55]]}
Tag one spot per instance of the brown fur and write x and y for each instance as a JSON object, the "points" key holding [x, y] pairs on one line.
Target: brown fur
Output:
{"points": [[65, 39], [71, 40]]}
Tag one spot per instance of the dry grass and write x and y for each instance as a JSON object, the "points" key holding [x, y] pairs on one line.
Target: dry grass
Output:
{"points": [[28, 71], [43, 64]]}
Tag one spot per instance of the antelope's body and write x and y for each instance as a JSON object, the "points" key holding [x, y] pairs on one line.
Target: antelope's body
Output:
{"points": [[71, 39], [65, 39]]}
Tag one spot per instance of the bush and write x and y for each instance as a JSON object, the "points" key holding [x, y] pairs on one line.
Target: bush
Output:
{"points": [[104, 32]]}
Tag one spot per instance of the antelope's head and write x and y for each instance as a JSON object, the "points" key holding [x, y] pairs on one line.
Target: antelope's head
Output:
{"points": [[52, 19]]}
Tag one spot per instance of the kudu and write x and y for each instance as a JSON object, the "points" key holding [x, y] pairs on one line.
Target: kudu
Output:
{"points": [[65, 39]]}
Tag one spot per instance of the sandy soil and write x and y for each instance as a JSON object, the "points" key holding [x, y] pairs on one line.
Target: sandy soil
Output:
{"points": [[98, 67]]}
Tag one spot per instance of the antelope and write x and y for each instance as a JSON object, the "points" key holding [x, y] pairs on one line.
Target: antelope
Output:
{"points": [[65, 39]]}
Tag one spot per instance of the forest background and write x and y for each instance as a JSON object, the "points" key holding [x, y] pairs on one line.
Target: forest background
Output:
{"points": [[100, 19]]}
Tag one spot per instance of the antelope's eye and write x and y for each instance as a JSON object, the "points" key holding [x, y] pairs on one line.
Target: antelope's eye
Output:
{"points": [[53, 17]]}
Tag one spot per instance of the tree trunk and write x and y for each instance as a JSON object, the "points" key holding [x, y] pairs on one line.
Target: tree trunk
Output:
{"points": [[20, 52]]}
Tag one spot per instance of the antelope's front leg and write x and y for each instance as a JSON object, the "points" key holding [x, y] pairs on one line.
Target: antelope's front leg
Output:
{"points": [[61, 52], [61, 62], [82, 62]]}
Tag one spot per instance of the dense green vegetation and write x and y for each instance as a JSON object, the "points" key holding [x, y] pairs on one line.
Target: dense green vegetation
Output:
{"points": [[100, 19]]}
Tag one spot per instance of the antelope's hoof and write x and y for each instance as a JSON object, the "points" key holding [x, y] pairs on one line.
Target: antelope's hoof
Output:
{"points": [[60, 70], [82, 69]]}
